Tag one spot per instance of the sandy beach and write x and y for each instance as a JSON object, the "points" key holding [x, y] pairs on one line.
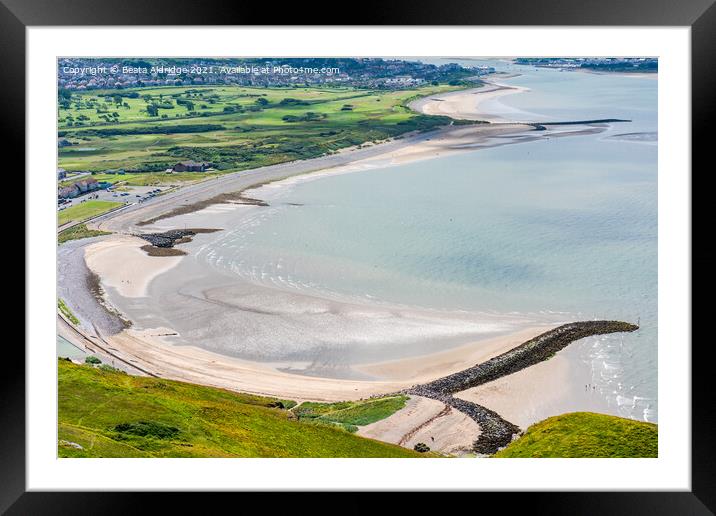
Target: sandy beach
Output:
{"points": [[196, 365], [126, 271], [427, 421], [468, 104], [545, 389]]}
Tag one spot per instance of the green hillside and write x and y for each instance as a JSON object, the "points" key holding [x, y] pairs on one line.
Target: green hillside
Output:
{"points": [[111, 414], [585, 434]]}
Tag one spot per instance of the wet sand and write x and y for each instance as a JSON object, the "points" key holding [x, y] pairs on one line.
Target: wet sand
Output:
{"points": [[192, 364], [294, 330]]}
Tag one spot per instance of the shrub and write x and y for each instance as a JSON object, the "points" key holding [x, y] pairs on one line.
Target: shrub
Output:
{"points": [[107, 367], [147, 429], [91, 359], [421, 447]]}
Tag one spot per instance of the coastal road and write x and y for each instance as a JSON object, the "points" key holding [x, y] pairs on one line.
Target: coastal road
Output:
{"points": [[125, 220]]}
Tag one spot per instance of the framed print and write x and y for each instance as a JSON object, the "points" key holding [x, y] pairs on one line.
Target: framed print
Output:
{"points": [[302, 258]]}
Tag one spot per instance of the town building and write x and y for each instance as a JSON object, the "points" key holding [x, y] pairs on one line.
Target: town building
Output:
{"points": [[191, 166], [80, 187]]}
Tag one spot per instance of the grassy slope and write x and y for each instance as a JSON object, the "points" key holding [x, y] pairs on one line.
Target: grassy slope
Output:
{"points": [[585, 434], [85, 211], [208, 422]]}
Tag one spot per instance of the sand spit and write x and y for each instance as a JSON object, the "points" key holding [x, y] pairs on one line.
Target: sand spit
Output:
{"points": [[467, 104]]}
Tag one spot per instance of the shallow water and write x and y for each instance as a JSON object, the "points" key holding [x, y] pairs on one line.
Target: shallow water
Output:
{"points": [[559, 229]]}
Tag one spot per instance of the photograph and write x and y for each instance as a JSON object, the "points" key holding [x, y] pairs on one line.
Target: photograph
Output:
{"points": [[357, 257]]}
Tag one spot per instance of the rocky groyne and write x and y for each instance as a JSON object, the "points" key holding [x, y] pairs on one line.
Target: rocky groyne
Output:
{"points": [[172, 237], [496, 432]]}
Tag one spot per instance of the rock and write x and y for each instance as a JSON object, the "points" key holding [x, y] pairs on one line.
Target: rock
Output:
{"points": [[70, 444]]}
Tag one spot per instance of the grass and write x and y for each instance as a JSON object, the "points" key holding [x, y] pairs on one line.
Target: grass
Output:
{"points": [[85, 210], [77, 232], [232, 130], [66, 311], [350, 414], [585, 434], [153, 178], [112, 414]]}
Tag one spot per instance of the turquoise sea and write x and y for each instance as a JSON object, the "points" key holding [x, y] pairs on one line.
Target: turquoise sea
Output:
{"points": [[564, 227]]}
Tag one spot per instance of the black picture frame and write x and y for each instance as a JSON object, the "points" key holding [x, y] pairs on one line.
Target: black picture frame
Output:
{"points": [[17, 15]]}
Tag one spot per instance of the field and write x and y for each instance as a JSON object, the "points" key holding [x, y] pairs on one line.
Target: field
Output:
{"points": [[233, 127], [112, 414], [585, 434], [85, 210]]}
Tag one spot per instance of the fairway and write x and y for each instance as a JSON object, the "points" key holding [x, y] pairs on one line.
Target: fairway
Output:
{"points": [[111, 414], [85, 210], [232, 127]]}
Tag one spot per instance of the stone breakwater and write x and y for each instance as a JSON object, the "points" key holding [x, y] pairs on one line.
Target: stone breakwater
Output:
{"points": [[169, 238], [496, 432]]}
